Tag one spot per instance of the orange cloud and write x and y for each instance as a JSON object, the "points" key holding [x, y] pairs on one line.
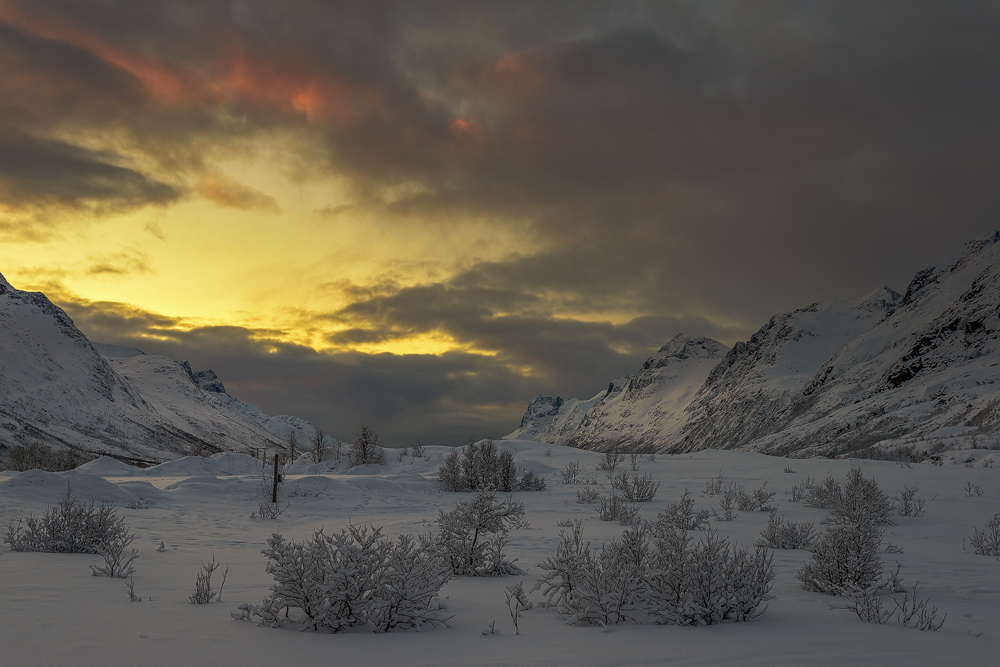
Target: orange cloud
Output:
{"points": [[469, 132], [163, 83], [227, 192], [517, 73]]}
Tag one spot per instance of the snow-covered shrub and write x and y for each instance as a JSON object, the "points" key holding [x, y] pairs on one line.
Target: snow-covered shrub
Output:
{"points": [[615, 508], [354, 578], [203, 593], [482, 467], [824, 494], [69, 527], [846, 555], [683, 515], [907, 504], [365, 449], [564, 570], [117, 563], [472, 536], [530, 482], [860, 500], [588, 495], [758, 501], [268, 510], [986, 542], [654, 573], [635, 488], [780, 535]]}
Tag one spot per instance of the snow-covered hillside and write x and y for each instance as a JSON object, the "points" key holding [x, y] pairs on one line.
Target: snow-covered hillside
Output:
{"points": [[828, 378], [59, 389]]}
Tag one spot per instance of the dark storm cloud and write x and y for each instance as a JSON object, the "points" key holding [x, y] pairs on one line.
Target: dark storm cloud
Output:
{"points": [[698, 166], [35, 172]]}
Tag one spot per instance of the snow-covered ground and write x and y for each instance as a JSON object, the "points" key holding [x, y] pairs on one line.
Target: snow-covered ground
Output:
{"points": [[55, 612]]}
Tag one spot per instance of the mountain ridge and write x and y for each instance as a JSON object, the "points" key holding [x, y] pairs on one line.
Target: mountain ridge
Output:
{"points": [[62, 390], [828, 378]]}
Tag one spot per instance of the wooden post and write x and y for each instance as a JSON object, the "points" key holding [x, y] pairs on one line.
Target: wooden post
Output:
{"points": [[274, 492]]}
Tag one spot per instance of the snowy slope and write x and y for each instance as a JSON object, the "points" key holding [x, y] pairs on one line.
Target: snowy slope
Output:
{"points": [[58, 388], [828, 378]]}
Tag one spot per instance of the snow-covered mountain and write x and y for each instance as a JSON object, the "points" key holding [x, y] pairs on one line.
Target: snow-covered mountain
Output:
{"points": [[827, 378], [58, 388]]}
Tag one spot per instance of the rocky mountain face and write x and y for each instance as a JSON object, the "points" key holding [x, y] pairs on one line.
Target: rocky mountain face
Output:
{"points": [[884, 369], [59, 389]]}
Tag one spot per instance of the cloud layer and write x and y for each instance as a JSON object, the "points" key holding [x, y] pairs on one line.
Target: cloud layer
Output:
{"points": [[622, 172]]}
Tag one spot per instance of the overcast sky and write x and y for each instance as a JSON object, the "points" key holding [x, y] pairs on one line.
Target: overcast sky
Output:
{"points": [[419, 215]]}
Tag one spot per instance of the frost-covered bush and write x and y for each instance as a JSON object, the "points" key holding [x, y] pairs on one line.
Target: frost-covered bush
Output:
{"points": [[68, 527], [473, 535], [483, 467], [354, 578], [986, 542], [653, 573], [824, 494], [846, 554], [588, 495], [365, 449], [791, 535], [635, 488], [801, 490], [530, 482], [682, 514]]}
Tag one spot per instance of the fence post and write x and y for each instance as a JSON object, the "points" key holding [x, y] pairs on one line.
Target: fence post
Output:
{"points": [[274, 492]]}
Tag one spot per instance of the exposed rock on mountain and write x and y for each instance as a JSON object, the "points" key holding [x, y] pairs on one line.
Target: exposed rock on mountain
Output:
{"points": [[827, 378]]}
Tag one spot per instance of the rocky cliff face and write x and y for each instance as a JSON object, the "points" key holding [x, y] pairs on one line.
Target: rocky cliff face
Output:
{"points": [[57, 388], [827, 378]]}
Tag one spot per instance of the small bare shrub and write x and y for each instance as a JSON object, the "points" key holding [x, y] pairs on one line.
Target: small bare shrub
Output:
{"points": [[714, 486], [203, 593], [517, 601], [610, 462], [68, 527], [615, 508], [571, 473], [588, 495], [474, 533], [973, 490], [986, 542], [907, 504]]}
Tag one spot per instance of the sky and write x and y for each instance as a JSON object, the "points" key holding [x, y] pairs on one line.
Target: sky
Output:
{"points": [[417, 216]]}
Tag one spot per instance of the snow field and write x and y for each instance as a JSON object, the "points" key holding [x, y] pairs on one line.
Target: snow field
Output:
{"points": [[57, 613]]}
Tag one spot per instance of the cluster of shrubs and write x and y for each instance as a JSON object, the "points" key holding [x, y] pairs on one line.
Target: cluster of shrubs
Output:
{"points": [[354, 578], [72, 526], [655, 573], [483, 467], [358, 577], [845, 559], [36, 456]]}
